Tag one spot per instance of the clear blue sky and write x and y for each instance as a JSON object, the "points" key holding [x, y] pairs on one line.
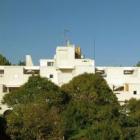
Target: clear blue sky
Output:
{"points": [[36, 27]]}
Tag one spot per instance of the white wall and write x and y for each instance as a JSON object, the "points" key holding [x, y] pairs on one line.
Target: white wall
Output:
{"points": [[115, 77], [64, 76], [47, 71], [65, 57], [14, 76]]}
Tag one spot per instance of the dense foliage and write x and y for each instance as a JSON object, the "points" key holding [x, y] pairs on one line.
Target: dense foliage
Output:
{"points": [[92, 108], [132, 109], [4, 61], [83, 109], [36, 110], [3, 135]]}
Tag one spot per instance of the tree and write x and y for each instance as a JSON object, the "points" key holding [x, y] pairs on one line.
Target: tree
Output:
{"points": [[37, 89], [3, 135], [131, 119], [83, 109], [4, 60], [93, 111], [37, 106], [34, 122]]}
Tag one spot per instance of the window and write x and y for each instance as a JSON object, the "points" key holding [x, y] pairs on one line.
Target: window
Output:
{"points": [[36, 72], [126, 72], [1, 73], [5, 89], [135, 92], [101, 72], [51, 75], [50, 64], [118, 88]]}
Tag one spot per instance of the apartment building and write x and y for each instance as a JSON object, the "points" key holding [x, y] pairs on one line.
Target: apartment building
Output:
{"points": [[67, 63]]}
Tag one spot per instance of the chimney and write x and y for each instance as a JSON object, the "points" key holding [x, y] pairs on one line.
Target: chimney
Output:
{"points": [[29, 60]]}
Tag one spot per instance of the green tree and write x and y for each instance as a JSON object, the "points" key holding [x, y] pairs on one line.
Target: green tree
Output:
{"points": [[37, 89], [93, 111], [37, 106], [83, 109], [3, 135], [4, 60], [34, 122], [130, 119]]}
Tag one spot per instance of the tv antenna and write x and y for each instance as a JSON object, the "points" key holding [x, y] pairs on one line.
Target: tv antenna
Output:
{"points": [[94, 49], [66, 40]]}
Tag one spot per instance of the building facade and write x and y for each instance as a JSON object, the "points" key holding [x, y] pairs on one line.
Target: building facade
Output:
{"points": [[124, 81], [67, 63]]}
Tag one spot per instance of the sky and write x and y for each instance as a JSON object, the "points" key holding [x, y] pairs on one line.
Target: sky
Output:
{"points": [[36, 27]]}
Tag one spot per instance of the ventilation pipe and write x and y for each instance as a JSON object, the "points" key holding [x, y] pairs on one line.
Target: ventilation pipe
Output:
{"points": [[29, 61]]}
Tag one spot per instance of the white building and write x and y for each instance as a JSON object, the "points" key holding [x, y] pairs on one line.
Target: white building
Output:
{"points": [[124, 81], [67, 63]]}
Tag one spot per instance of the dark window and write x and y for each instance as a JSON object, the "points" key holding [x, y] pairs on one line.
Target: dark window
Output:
{"points": [[51, 75], [1, 71], [127, 72], [135, 92], [25, 71], [49, 63], [100, 71], [5, 89], [120, 88]]}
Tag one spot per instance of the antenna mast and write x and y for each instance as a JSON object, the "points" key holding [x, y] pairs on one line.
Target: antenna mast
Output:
{"points": [[66, 40], [94, 50]]}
